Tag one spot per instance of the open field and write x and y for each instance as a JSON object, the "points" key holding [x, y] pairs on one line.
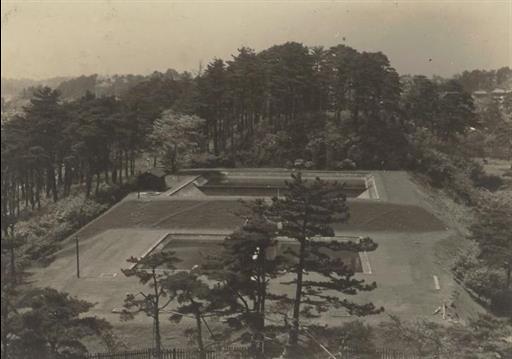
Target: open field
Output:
{"points": [[227, 214], [404, 265]]}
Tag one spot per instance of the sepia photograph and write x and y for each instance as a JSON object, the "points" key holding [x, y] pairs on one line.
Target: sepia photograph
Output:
{"points": [[261, 179]]}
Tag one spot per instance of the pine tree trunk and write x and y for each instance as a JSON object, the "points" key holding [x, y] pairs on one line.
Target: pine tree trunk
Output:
{"points": [[114, 173], [53, 183], [38, 191], [263, 294], [328, 157], [88, 185], [200, 344], [31, 189], [98, 181], [23, 188], [158, 339], [47, 183], [294, 332], [156, 316], [81, 174], [5, 328], [59, 175], [120, 167], [25, 191], [215, 139], [174, 156], [18, 198], [126, 162], [13, 262], [509, 274]]}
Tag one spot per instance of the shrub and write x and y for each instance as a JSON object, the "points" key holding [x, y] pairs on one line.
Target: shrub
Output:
{"points": [[355, 336], [465, 262], [84, 212], [452, 172], [309, 165], [272, 149], [346, 164], [437, 166], [209, 160], [43, 233], [112, 193], [484, 281], [42, 252], [501, 303], [489, 182]]}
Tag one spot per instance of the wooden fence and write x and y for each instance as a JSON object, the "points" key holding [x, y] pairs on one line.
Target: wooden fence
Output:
{"points": [[227, 353], [241, 353], [396, 354], [379, 354]]}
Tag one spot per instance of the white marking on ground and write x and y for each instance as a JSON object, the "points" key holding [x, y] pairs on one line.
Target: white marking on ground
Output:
{"points": [[112, 275], [365, 263], [436, 283]]}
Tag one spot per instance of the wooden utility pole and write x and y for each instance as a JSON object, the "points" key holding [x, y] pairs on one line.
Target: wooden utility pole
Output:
{"points": [[13, 263], [77, 258]]}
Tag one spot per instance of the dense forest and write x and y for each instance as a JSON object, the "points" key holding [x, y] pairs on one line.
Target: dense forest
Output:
{"points": [[478, 80]]}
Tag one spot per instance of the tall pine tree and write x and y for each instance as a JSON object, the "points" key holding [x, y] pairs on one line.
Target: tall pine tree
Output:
{"points": [[306, 213]]}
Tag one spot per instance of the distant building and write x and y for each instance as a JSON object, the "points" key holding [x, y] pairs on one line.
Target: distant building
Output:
{"points": [[480, 93], [499, 94]]}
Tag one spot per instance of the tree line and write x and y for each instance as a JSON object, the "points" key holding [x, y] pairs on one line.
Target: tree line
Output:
{"points": [[324, 105], [331, 107], [55, 144], [486, 80]]}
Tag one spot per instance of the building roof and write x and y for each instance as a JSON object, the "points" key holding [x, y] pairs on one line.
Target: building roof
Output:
{"points": [[498, 92]]}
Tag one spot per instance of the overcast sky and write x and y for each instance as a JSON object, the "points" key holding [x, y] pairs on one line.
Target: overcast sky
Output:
{"points": [[69, 38]]}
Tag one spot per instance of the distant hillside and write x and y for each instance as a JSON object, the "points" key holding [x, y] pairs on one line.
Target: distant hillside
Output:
{"points": [[12, 88], [115, 85], [72, 88], [486, 80]]}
